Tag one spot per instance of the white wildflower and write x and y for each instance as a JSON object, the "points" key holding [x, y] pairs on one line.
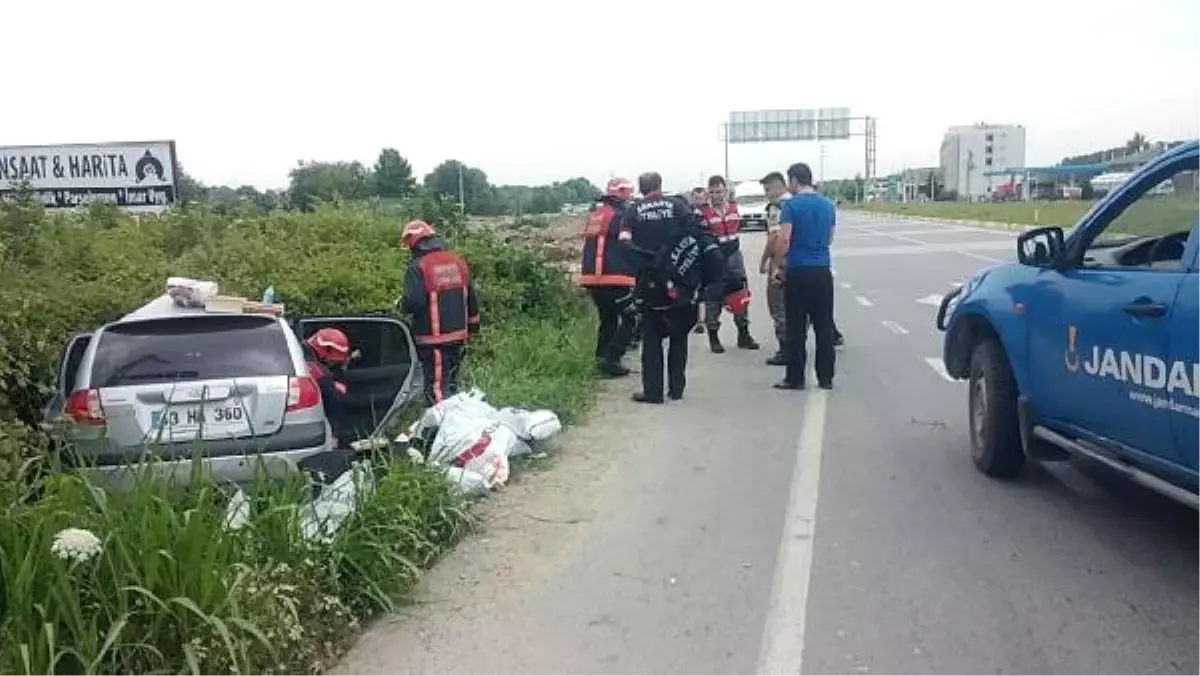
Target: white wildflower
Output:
{"points": [[75, 544]]}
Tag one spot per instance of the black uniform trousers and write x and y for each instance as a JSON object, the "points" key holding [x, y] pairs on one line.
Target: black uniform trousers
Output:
{"points": [[615, 330], [808, 300], [674, 326], [440, 364]]}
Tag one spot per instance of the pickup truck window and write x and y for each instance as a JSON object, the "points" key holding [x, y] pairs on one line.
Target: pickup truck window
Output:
{"points": [[1152, 231]]}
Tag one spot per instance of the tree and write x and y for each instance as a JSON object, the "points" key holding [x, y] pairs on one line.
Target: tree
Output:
{"points": [[1137, 143], [393, 174], [190, 190], [312, 181], [479, 195]]}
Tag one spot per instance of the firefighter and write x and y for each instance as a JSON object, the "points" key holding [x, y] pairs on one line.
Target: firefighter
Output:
{"points": [[606, 271], [440, 297], [675, 260], [327, 352], [722, 218]]}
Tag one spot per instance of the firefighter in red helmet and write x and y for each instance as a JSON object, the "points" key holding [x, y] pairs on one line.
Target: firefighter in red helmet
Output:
{"points": [[606, 272], [439, 295]]}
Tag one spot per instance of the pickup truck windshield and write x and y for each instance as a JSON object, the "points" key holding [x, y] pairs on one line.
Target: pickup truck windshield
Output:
{"points": [[192, 348]]}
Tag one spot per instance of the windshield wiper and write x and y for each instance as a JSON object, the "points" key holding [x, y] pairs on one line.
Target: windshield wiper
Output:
{"points": [[119, 374]]}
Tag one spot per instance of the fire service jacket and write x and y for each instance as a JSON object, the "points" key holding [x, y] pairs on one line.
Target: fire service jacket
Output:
{"points": [[439, 295], [723, 224], [606, 259]]}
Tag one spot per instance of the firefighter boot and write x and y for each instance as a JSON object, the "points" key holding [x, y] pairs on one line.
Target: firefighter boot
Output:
{"points": [[714, 342], [745, 341]]}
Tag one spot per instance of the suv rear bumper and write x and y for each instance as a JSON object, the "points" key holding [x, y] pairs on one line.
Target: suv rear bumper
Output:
{"points": [[242, 469], [236, 460]]}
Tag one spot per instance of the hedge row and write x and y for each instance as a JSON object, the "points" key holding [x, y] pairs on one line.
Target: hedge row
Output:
{"points": [[168, 587]]}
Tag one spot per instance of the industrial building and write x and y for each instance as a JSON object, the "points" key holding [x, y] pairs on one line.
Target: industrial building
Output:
{"points": [[970, 151]]}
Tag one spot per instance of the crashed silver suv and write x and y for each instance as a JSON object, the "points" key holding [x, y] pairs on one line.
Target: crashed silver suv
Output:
{"points": [[231, 388]]}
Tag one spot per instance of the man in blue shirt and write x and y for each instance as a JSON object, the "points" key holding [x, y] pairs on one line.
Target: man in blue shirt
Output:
{"points": [[802, 260]]}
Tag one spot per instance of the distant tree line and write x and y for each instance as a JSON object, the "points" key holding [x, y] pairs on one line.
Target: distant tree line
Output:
{"points": [[1136, 144], [392, 177]]}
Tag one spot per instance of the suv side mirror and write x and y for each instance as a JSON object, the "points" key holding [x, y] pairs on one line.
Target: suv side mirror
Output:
{"points": [[1041, 247]]}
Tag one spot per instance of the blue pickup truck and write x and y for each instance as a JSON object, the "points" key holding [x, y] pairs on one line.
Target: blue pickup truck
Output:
{"points": [[1087, 345]]}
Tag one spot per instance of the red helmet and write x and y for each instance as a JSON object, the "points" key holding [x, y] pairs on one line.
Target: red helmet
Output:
{"points": [[415, 231], [330, 345], [738, 301], [619, 187]]}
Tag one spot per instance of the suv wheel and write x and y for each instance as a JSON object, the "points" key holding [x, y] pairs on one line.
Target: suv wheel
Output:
{"points": [[992, 410]]}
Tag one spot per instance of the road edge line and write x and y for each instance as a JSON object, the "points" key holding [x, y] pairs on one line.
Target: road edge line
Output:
{"points": [[782, 647]]}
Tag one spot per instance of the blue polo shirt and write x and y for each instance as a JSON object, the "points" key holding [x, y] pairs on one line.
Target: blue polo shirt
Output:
{"points": [[812, 217]]}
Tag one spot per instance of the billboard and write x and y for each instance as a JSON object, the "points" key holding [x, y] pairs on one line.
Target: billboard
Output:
{"points": [[136, 176], [765, 126]]}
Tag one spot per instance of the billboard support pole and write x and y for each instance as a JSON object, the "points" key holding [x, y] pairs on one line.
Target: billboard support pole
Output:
{"points": [[726, 135]]}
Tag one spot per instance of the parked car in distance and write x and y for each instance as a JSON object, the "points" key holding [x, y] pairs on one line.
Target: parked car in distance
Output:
{"points": [[1088, 344], [173, 383]]}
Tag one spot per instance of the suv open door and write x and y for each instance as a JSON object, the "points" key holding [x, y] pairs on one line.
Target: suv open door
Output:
{"points": [[64, 385], [381, 380]]}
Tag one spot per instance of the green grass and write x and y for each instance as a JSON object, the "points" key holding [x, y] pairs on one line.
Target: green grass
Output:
{"points": [[172, 589], [1150, 216]]}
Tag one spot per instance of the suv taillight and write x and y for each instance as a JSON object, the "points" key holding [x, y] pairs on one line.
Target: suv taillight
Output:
{"points": [[83, 406], [303, 393]]}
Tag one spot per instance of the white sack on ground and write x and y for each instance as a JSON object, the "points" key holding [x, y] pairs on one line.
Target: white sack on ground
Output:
{"points": [[475, 436], [321, 518]]}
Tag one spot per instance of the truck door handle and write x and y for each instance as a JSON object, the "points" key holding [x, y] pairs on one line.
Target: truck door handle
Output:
{"points": [[1144, 307]]}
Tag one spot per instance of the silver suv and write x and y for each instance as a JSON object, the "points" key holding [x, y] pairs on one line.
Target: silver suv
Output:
{"points": [[234, 389]]}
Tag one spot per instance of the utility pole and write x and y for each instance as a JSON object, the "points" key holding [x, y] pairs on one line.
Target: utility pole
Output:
{"points": [[462, 195], [726, 135], [821, 166], [970, 168]]}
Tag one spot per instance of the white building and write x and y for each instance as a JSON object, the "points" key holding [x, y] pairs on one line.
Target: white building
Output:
{"points": [[969, 151]]}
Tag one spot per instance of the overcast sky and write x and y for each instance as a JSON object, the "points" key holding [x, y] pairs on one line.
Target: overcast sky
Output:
{"points": [[538, 91]]}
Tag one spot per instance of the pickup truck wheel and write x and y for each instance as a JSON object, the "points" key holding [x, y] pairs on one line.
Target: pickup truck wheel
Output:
{"points": [[992, 409]]}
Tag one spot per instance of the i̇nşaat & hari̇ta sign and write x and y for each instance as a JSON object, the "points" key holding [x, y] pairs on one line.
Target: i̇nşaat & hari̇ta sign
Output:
{"points": [[136, 176]]}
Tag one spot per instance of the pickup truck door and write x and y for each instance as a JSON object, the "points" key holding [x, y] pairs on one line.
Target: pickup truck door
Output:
{"points": [[1185, 348], [1092, 331]]}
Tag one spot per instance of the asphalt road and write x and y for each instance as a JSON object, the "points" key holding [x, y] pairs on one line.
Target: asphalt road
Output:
{"points": [[752, 530]]}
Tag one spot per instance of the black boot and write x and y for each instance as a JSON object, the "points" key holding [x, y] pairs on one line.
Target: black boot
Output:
{"points": [[641, 398], [745, 341], [611, 369], [714, 342], [777, 359], [699, 329]]}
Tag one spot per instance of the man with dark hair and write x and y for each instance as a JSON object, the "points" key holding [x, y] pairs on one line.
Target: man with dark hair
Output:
{"points": [[802, 260], [678, 261], [722, 218], [775, 187]]}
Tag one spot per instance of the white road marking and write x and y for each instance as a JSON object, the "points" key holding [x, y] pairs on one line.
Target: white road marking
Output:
{"points": [[932, 299], [844, 285], [894, 327], [939, 368], [863, 301], [782, 649], [981, 257], [911, 249]]}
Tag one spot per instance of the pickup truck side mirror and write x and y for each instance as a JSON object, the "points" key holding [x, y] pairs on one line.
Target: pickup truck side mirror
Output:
{"points": [[1041, 247]]}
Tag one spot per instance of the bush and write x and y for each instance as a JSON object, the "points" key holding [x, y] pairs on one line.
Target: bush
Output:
{"points": [[173, 589]]}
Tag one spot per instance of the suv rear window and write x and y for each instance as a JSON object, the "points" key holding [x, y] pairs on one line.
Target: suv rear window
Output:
{"points": [[193, 348]]}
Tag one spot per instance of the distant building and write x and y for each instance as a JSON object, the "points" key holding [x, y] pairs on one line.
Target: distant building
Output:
{"points": [[969, 151]]}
